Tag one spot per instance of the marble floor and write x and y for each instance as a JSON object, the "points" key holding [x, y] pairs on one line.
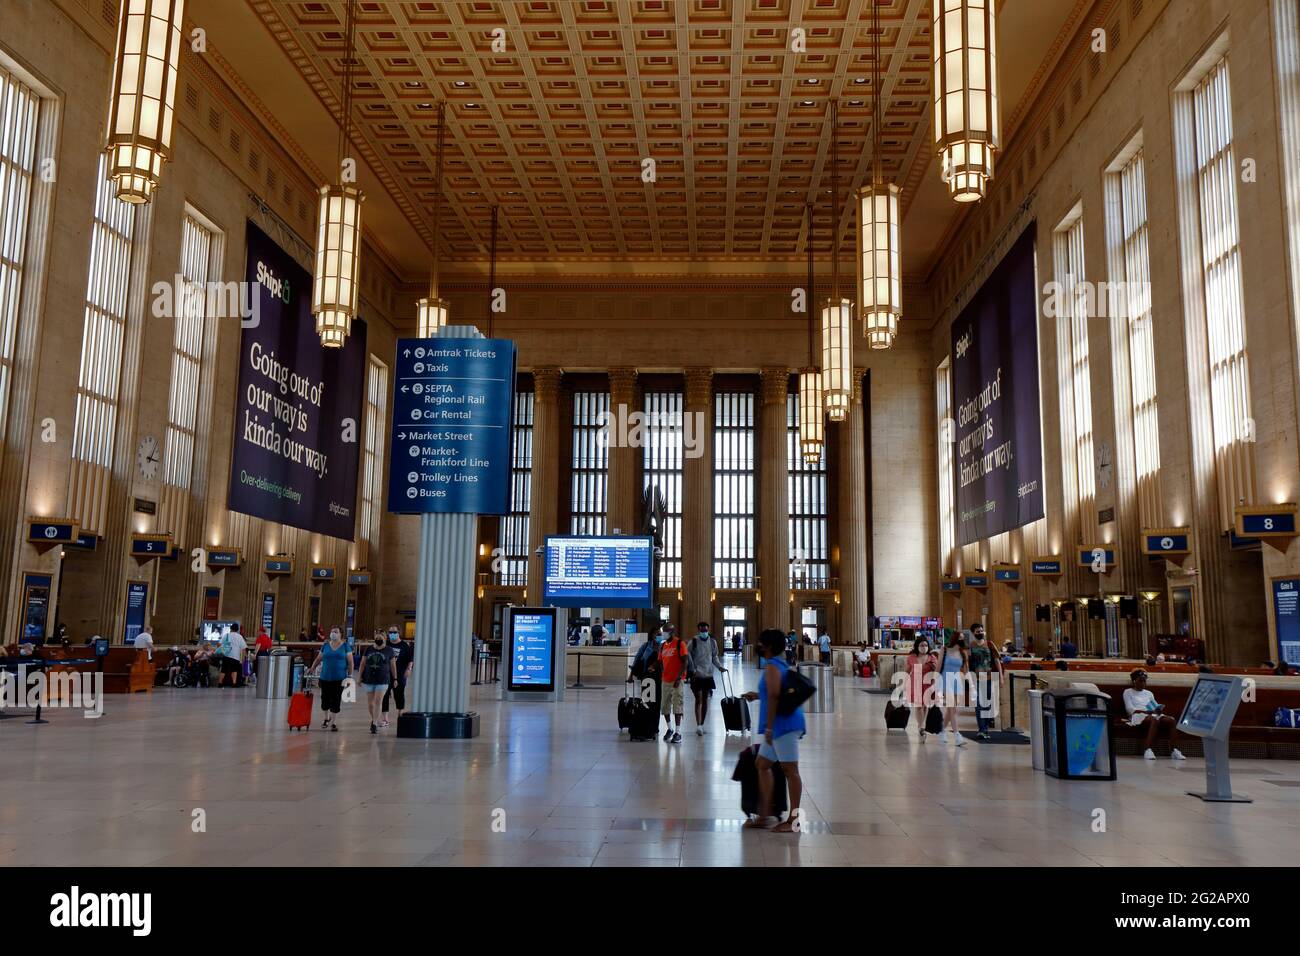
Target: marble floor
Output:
{"points": [[204, 777]]}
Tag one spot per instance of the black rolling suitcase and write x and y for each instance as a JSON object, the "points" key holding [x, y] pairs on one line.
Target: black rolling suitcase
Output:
{"points": [[643, 720], [746, 773], [735, 710], [934, 720], [625, 708], [896, 715]]}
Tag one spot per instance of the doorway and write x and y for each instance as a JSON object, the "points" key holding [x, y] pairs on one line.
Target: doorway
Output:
{"points": [[734, 627]]}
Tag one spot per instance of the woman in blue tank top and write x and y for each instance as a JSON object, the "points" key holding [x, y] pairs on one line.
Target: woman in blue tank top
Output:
{"points": [[781, 733], [954, 664]]}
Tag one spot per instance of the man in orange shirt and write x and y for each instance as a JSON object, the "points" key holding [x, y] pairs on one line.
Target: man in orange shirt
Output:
{"points": [[674, 664]]}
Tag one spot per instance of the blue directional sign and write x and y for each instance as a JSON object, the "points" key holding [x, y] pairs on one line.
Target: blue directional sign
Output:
{"points": [[450, 446]]}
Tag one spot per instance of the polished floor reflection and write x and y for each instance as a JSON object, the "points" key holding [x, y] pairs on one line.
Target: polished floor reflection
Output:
{"points": [[555, 785]]}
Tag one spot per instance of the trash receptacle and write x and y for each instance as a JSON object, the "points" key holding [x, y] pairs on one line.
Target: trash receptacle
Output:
{"points": [[1076, 734], [823, 677], [1036, 728], [274, 676]]}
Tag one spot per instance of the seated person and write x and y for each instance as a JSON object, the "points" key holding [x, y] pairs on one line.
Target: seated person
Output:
{"points": [[180, 662], [1141, 706], [1068, 649]]}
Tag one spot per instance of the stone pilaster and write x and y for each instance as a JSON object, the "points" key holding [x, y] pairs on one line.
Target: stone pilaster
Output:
{"points": [[854, 554], [543, 514], [697, 503], [774, 504], [621, 506]]}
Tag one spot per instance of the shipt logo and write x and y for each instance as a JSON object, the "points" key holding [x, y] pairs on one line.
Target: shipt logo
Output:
{"points": [[277, 287], [964, 343]]}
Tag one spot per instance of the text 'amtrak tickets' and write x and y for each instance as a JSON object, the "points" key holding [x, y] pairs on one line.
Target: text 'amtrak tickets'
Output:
{"points": [[450, 447]]}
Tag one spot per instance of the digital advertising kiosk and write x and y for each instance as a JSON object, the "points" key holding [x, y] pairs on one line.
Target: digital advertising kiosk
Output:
{"points": [[533, 653], [1210, 708]]}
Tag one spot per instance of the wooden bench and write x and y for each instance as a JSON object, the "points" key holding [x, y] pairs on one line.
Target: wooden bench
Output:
{"points": [[1253, 733]]}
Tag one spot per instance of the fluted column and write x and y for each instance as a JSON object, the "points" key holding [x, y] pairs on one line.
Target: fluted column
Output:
{"points": [[697, 501], [774, 504], [444, 607], [543, 510], [854, 556], [622, 494]]}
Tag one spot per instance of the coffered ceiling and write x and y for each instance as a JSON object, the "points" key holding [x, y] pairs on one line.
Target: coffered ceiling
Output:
{"points": [[554, 130]]}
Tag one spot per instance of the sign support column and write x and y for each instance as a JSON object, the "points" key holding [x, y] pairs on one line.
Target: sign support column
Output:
{"points": [[450, 455]]}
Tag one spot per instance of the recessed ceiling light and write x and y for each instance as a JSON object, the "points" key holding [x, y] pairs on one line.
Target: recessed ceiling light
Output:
{"points": [[811, 81], [461, 84], [425, 106], [860, 80], [855, 102], [806, 103]]}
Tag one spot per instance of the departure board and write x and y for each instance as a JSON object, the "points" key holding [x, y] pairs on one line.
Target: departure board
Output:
{"points": [[599, 572]]}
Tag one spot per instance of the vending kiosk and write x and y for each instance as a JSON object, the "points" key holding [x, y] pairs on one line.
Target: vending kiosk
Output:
{"points": [[1210, 708]]}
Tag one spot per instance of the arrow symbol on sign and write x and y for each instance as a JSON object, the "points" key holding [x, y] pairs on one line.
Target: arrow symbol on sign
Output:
{"points": [[406, 353], [402, 435], [404, 389]]}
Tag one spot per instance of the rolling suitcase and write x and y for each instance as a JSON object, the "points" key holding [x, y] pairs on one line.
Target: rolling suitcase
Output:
{"points": [[625, 708], [934, 720], [300, 710], [746, 773], [643, 720], [735, 710], [896, 715]]}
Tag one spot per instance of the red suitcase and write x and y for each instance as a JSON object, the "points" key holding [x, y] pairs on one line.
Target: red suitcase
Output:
{"points": [[300, 710]]}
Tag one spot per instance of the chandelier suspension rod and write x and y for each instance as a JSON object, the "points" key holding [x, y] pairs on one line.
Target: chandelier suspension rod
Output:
{"points": [[835, 202], [437, 198], [492, 271], [875, 89], [811, 299]]}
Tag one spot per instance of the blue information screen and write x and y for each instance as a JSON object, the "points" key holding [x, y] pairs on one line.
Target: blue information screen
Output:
{"points": [[613, 572], [532, 649], [137, 598], [1286, 614], [449, 451], [1206, 703]]}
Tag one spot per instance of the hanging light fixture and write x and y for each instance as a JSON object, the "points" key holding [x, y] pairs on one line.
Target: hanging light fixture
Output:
{"points": [[837, 313], [433, 312], [967, 127], [338, 227], [880, 267], [812, 430], [144, 93], [492, 271]]}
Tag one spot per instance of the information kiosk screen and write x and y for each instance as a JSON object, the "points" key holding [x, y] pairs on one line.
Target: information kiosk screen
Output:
{"points": [[532, 649], [1206, 707], [614, 572]]}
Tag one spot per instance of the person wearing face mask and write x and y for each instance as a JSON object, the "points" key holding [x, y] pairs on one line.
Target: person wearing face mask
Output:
{"points": [[403, 661], [921, 662], [334, 666], [704, 657], [376, 677]]}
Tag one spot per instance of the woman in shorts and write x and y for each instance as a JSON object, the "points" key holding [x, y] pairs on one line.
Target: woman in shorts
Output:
{"points": [[781, 733]]}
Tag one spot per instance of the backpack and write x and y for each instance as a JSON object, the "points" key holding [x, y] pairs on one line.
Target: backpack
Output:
{"points": [[375, 669], [646, 662]]}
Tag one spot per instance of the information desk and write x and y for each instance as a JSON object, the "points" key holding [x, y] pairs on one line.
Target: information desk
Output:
{"points": [[601, 665]]}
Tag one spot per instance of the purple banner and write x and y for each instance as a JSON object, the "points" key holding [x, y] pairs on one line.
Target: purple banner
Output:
{"points": [[298, 409], [997, 429]]}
